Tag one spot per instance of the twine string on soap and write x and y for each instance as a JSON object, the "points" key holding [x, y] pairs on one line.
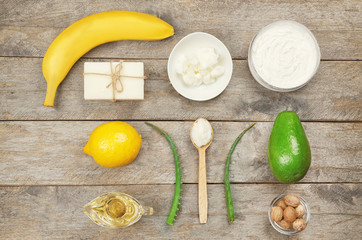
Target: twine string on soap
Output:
{"points": [[116, 78]]}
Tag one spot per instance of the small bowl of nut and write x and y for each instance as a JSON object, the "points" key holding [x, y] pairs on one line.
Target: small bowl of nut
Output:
{"points": [[289, 213]]}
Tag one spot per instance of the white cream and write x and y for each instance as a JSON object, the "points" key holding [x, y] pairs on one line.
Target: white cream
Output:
{"points": [[201, 132], [285, 54], [200, 67]]}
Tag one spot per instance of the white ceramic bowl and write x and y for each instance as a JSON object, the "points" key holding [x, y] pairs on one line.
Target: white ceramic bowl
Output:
{"points": [[189, 44]]}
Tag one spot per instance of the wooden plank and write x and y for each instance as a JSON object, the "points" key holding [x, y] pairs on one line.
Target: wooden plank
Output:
{"points": [[56, 212], [331, 15], [45, 152], [34, 41], [333, 95], [27, 29]]}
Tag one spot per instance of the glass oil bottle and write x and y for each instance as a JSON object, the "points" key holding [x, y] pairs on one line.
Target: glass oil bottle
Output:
{"points": [[115, 210]]}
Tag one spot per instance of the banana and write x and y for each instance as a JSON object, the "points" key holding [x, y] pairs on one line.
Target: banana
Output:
{"points": [[89, 32]]}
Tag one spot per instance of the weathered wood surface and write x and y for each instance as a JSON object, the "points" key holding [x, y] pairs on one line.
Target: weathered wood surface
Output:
{"points": [[51, 153], [56, 212], [45, 178], [28, 28], [333, 95]]}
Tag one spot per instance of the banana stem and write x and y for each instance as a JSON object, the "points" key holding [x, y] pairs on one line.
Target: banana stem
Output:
{"points": [[50, 96]]}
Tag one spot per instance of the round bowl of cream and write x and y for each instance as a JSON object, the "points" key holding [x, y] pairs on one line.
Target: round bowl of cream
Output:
{"points": [[284, 56], [200, 66]]}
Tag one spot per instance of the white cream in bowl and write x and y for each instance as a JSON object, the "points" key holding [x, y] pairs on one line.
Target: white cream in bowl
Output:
{"points": [[284, 56]]}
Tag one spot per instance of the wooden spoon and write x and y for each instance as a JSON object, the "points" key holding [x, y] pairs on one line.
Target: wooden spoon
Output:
{"points": [[202, 176]]}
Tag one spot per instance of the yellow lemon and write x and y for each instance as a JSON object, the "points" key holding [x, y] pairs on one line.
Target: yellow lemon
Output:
{"points": [[113, 144]]}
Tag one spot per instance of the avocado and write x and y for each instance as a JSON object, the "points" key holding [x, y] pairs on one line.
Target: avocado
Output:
{"points": [[288, 151]]}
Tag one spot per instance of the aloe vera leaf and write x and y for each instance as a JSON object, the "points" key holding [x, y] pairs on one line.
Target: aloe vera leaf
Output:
{"points": [[177, 195], [229, 200]]}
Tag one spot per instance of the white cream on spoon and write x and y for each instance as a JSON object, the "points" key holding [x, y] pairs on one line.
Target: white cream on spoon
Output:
{"points": [[201, 132], [201, 136]]}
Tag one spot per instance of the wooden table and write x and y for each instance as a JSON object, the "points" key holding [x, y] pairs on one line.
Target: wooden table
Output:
{"points": [[46, 178]]}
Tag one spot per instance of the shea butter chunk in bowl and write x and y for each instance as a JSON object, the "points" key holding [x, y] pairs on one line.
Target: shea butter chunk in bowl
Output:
{"points": [[200, 66]]}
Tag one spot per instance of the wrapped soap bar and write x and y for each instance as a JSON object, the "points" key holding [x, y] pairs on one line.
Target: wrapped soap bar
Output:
{"points": [[125, 81]]}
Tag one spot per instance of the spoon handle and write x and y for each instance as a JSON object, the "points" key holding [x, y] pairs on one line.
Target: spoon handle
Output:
{"points": [[202, 186]]}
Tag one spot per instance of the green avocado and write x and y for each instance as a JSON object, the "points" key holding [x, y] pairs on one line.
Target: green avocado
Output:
{"points": [[288, 151]]}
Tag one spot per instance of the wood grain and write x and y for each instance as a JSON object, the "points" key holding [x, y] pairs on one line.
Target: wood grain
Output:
{"points": [[34, 41], [56, 212], [202, 186], [45, 177], [333, 95], [51, 153], [27, 29]]}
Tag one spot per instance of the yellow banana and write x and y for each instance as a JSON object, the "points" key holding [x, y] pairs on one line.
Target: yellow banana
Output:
{"points": [[91, 31]]}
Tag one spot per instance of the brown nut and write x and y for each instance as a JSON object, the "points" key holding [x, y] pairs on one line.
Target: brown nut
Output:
{"points": [[284, 224], [300, 211], [292, 200], [290, 214], [281, 203], [299, 224], [276, 213]]}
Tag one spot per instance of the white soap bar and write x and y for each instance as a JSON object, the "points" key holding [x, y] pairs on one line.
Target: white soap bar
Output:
{"points": [[95, 86]]}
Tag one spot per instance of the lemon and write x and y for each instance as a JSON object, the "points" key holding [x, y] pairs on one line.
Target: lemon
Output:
{"points": [[113, 144]]}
